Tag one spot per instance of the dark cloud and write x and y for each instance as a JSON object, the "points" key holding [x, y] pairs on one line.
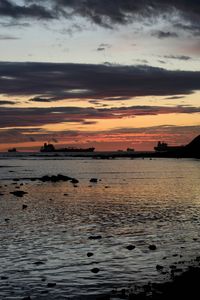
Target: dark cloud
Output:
{"points": [[192, 28], [40, 99], [54, 81], [37, 117], [161, 61], [174, 97], [164, 34], [7, 102], [124, 11], [12, 9], [104, 13], [103, 47], [180, 57]]}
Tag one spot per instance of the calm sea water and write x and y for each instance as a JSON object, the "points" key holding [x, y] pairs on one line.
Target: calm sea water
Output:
{"points": [[137, 202]]}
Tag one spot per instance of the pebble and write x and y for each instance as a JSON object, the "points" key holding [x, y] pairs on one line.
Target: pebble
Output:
{"points": [[4, 277], [159, 267], [95, 270], [152, 247], [74, 180], [130, 247], [18, 193], [94, 180], [51, 284], [95, 237]]}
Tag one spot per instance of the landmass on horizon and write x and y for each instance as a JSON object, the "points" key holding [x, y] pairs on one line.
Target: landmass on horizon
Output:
{"points": [[162, 149]]}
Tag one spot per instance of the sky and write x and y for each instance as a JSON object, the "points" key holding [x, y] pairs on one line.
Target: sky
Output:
{"points": [[109, 74]]}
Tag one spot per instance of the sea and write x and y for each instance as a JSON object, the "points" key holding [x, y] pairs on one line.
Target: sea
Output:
{"points": [[72, 241]]}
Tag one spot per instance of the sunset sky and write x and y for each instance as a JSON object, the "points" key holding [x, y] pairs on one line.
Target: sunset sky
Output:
{"points": [[110, 74]]}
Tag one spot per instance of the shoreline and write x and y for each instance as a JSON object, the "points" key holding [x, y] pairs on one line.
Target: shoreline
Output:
{"points": [[100, 155]]}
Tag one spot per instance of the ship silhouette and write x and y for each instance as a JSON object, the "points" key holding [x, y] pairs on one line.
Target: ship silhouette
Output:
{"points": [[50, 148], [12, 150], [190, 150]]}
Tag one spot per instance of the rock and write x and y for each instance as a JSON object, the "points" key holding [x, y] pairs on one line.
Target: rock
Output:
{"points": [[51, 284], [38, 263], [152, 247], [95, 270], [130, 247], [55, 178], [94, 180], [159, 267], [74, 180], [61, 177], [18, 193], [24, 206], [95, 237], [198, 258], [89, 254]]}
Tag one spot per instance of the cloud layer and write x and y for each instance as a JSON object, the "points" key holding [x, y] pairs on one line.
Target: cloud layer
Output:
{"points": [[37, 117], [104, 13], [46, 82]]}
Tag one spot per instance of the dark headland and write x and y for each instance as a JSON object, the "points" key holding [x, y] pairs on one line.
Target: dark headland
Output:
{"points": [[162, 150]]}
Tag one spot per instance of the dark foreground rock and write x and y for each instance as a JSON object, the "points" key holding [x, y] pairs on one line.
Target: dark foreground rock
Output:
{"points": [[95, 237], [152, 247], [18, 193], [185, 286], [55, 178], [50, 178], [130, 247], [94, 180], [95, 270]]}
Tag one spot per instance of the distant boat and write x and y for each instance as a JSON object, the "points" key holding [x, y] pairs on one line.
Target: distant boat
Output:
{"points": [[190, 150], [163, 147], [50, 148], [130, 150], [12, 150]]}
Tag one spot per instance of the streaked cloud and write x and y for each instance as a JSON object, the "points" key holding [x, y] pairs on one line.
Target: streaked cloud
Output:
{"points": [[25, 117], [164, 34], [54, 81]]}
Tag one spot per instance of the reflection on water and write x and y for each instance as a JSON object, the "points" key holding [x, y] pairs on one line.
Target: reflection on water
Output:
{"points": [[137, 202]]}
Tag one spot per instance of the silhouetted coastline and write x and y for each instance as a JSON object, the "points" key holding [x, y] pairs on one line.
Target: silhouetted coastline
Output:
{"points": [[191, 150]]}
